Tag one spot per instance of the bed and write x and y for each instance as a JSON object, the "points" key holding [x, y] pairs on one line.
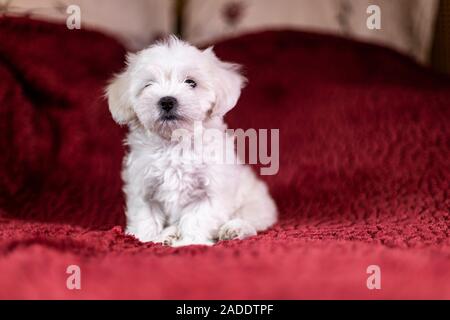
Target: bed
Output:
{"points": [[364, 177]]}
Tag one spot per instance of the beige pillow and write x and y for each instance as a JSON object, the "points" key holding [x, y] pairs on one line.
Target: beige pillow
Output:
{"points": [[406, 25], [136, 23]]}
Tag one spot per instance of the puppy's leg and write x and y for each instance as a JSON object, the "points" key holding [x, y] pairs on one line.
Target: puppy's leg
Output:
{"points": [[236, 229], [144, 220], [198, 225], [258, 208], [168, 236]]}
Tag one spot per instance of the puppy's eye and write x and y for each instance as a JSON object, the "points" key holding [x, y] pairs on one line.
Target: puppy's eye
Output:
{"points": [[191, 82], [148, 84]]}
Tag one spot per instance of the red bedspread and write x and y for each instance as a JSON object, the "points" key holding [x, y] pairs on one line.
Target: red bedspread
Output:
{"points": [[364, 174]]}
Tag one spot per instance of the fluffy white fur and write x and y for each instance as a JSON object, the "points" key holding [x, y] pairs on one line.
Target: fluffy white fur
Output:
{"points": [[171, 199]]}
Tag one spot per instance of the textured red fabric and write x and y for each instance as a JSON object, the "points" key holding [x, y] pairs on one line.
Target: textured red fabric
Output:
{"points": [[364, 174]]}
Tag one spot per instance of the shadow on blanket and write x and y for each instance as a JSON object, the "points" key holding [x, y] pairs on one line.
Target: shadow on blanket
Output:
{"points": [[364, 173]]}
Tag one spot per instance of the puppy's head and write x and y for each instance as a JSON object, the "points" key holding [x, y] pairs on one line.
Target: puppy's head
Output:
{"points": [[171, 85]]}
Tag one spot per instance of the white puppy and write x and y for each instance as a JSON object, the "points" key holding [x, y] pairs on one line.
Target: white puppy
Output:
{"points": [[173, 198]]}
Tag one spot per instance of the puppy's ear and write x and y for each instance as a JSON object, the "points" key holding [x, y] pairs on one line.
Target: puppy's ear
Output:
{"points": [[227, 83], [119, 98]]}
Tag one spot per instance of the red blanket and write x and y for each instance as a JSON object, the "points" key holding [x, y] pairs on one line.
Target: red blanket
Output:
{"points": [[364, 174]]}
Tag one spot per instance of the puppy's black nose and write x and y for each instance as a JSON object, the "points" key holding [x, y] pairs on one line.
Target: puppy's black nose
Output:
{"points": [[167, 103]]}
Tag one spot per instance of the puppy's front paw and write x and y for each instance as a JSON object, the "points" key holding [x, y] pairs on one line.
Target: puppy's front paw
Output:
{"points": [[168, 236], [236, 229]]}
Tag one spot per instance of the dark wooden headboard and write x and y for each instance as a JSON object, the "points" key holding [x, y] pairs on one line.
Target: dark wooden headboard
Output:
{"points": [[440, 54]]}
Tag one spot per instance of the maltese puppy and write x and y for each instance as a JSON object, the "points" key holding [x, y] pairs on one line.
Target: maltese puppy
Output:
{"points": [[171, 196]]}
